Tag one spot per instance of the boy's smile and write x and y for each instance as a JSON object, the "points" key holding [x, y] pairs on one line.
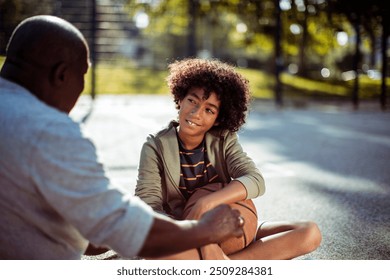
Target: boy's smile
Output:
{"points": [[191, 123], [197, 115]]}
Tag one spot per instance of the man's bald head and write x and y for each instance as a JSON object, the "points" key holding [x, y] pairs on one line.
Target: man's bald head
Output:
{"points": [[43, 40], [49, 57]]}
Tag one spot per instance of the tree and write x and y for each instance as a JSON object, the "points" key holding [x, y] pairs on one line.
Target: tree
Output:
{"points": [[365, 16]]}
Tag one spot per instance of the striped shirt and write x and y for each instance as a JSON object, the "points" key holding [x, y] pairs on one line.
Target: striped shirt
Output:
{"points": [[196, 169]]}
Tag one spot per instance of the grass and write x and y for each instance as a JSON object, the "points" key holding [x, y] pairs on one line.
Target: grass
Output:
{"points": [[119, 79], [123, 80], [127, 80]]}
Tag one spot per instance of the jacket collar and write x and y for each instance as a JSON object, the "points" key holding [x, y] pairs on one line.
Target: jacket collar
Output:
{"points": [[169, 148]]}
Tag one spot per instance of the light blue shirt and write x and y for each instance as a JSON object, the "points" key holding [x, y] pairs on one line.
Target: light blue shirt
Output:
{"points": [[54, 194]]}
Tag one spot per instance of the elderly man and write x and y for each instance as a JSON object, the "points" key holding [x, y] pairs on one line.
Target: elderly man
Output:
{"points": [[54, 196]]}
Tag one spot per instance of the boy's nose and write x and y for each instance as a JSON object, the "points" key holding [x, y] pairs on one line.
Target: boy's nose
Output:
{"points": [[195, 111]]}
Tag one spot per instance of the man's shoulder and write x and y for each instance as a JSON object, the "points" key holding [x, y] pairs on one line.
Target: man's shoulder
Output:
{"points": [[24, 113], [20, 101]]}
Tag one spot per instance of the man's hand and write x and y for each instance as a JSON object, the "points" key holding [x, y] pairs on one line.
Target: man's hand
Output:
{"points": [[222, 222], [168, 236]]}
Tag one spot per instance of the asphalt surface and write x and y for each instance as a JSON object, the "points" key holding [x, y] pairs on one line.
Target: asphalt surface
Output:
{"points": [[328, 164]]}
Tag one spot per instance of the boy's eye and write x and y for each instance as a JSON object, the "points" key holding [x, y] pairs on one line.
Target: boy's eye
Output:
{"points": [[210, 111]]}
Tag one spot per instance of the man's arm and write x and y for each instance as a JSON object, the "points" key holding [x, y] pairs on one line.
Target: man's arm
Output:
{"points": [[168, 236]]}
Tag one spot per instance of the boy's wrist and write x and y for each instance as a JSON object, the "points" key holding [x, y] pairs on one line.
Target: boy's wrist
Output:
{"points": [[206, 204]]}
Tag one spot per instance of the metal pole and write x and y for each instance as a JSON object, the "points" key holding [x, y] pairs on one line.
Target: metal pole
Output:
{"points": [[93, 49]]}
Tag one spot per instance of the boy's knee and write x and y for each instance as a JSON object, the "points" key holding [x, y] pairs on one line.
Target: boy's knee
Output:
{"points": [[313, 235]]}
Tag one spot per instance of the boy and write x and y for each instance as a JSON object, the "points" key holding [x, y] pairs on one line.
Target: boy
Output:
{"points": [[202, 148]]}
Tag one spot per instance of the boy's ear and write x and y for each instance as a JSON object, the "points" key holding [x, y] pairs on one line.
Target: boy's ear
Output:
{"points": [[59, 73]]}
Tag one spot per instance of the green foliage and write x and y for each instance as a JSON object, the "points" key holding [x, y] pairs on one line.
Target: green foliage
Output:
{"points": [[323, 38], [166, 17]]}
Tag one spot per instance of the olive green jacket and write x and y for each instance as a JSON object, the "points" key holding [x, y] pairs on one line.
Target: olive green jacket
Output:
{"points": [[159, 168]]}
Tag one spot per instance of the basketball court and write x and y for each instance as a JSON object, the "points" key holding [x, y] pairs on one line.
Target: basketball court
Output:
{"points": [[327, 164]]}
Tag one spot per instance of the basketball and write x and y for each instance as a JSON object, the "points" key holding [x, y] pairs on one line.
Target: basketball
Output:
{"points": [[247, 210]]}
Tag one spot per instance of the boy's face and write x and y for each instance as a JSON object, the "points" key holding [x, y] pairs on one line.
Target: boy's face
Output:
{"points": [[197, 114]]}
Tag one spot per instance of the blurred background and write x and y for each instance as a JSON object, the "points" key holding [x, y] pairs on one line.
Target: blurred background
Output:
{"points": [[292, 51], [324, 62]]}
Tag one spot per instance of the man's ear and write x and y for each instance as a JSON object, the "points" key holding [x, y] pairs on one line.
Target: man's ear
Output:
{"points": [[59, 74]]}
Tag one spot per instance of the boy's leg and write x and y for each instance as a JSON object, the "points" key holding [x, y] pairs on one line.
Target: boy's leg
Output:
{"points": [[193, 254], [282, 240], [208, 252]]}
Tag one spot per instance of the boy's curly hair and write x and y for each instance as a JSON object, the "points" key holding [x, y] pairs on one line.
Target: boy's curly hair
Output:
{"points": [[213, 75]]}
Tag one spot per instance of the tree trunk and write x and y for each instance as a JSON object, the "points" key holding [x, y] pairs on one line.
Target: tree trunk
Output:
{"points": [[302, 46], [191, 39], [356, 60], [385, 36], [278, 56]]}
